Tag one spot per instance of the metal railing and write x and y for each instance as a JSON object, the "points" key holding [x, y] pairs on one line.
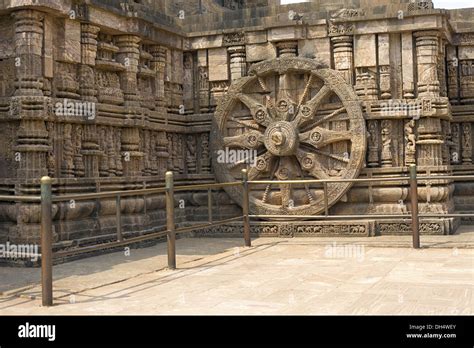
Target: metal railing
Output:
{"points": [[47, 199]]}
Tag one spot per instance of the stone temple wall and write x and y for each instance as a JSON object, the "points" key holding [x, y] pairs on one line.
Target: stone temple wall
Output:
{"points": [[105, 96]]}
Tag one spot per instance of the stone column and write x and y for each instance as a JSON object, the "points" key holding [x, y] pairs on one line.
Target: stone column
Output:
{"points": [[387, 153], [90, 144], [365, 62], [384, 66], [453, 70], [373, 143], [131, 154], [28, 52], [430, 142], [32, 143], [238, 65], [88, 55], [162, 154], [129, 56], [408, 66], [466, 143], [287, 49], [466, 67], [203, 81], [344, 56], [427, 59], [158, 64]]}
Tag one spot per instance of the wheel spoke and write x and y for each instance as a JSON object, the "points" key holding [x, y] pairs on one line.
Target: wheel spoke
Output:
{"points": [[285, 107], [328, 117], [249, 140], [261, 165], [246, 123], [344, 159], [259, 112], [321, 137], [307, 111], [308, 162]]}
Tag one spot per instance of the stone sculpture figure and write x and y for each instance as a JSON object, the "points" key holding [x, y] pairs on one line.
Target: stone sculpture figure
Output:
{"points": [[205, 158], [410, 142], [68, 152], [78, 158], [191, 153], [386, 143]]}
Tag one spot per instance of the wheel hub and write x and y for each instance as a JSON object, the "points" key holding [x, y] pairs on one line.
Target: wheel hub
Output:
{"points": [[281, 138]]}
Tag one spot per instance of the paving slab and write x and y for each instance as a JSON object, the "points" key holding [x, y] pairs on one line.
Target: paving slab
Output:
{"points": [[275, 276]]}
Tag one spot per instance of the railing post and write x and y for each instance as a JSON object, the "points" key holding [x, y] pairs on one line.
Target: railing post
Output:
{"points": [[326, 204], [46, 242], [209, 205], [118, 207], [171, 237], [245, 207], [414, 207]]}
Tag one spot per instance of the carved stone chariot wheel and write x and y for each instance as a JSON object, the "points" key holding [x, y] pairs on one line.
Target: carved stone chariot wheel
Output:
{"points": [[302, 122]]}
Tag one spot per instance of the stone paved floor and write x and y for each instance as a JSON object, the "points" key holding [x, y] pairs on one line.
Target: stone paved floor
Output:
{"points": [[274, 276]]}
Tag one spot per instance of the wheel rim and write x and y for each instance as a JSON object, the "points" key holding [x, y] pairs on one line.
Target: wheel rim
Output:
{"points": [[303, 123]]}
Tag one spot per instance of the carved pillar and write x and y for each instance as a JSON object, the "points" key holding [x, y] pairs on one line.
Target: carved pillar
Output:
{"points": [[203, 88], [32, 142], [158, 64], [373, 143], [441, 64], [88, 55], [176, 156], [430, 142], [162, 154], [408, 67], [365, 62], [205, 158], [343, 56], [148, 153], [170, 161], [384, 66], [67, 164], [427, 59], [188, 83], [129, 56], [238, 65], [28, 52], [452, 80], [467, 81], [191, 154], [131, 154], [79, 169], [455, 143], [203, 80], [218, 89], [366, 84], [287, 49], [103, 162], [90, 143], [446, 130], [410, 142], [387, 155], [466, 143]]}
